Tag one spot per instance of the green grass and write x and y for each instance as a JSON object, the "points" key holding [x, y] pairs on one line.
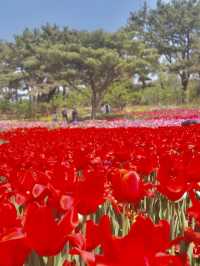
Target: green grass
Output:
{"points": [[84, 112]]}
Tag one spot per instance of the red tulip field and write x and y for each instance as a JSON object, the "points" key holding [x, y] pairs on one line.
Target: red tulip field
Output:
{"points": [[100, 196]]}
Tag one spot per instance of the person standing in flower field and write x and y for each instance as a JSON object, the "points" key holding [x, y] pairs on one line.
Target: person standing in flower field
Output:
{"points": [[74, 115], [106, 108], [64, 114]]}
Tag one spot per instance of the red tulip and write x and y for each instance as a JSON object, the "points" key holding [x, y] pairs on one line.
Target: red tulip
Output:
{"points": [[126, 186], [13, 246], [47, 234]]}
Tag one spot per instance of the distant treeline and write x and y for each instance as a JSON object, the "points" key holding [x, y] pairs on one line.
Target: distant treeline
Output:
{"points": [[154, 58]]}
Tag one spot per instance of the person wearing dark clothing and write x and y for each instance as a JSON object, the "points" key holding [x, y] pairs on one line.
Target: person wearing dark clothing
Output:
{"points": [[107, 108], [74, 115], [64, 114]]}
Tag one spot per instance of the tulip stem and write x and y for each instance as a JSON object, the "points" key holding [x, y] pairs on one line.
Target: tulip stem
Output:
{"points": [[50, 261], [42, 263]]}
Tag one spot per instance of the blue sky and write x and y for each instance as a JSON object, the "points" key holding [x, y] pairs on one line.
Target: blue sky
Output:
{"points": [[16, 15]]}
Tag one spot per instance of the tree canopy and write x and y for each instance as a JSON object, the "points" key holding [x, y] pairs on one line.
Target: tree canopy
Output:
{"points": [[161, 39], [172, 28], [50, 57]]}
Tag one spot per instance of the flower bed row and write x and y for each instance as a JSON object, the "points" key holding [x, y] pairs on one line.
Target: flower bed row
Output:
{"points": [[173, 113], [103, 197], [116, 123]]}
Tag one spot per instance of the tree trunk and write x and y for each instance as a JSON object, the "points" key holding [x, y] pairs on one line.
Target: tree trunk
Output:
{"points": [[64, 92], [184, 80], [96, 99], [143, 82], [34, 260], [94, 104]]}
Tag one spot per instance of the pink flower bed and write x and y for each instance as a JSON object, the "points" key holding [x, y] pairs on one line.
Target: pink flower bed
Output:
{"points": [[176, 113], [156, 118], [10, 125]]}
